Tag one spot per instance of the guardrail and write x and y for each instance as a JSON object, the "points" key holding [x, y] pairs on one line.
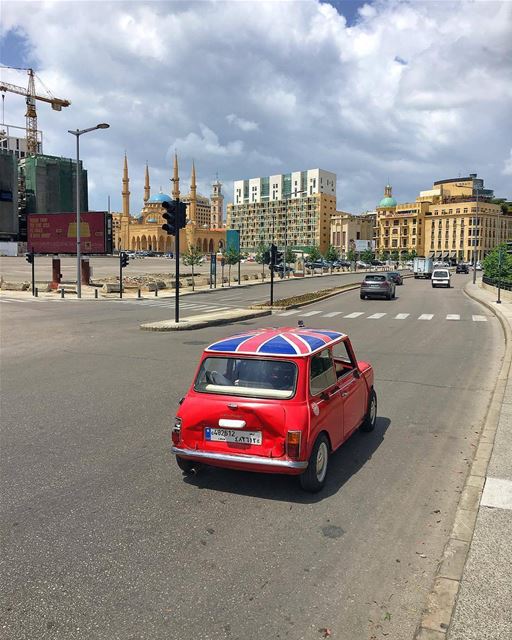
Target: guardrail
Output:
{"points": [[507, 285]]}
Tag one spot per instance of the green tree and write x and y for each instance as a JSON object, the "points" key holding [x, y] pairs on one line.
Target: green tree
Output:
{"points": [[314, 253], [331, 254], [492, 267], [290, 256], [231, 256], [261, 249], [395, 255], [351, 255], [191, 257], [367, 256]]}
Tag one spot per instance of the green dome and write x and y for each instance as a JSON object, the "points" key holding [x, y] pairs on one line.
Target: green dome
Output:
{"points": [[387, 202]]}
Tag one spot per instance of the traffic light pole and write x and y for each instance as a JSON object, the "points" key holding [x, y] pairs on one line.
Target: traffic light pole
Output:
{"points": [[33, 274], [177, 252], [120, 273], [498, 301], [271, 282]]}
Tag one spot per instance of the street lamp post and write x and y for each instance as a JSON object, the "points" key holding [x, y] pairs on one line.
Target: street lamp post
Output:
{"points": [[77, 133], [474, 239]]}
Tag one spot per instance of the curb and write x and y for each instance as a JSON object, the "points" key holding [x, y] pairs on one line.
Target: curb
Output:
{"points": [[441, 602], [198, 322], [350, 287]]}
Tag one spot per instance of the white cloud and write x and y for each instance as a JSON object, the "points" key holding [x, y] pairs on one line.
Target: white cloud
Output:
{"points": [[507, 168], [255, 88]]}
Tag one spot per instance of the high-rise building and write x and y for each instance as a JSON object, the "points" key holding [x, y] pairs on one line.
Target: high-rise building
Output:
{"points": [[14, 139], [9, 224], [455, 220], [290, 209]]}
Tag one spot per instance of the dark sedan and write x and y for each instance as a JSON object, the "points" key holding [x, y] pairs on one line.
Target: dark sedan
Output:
{"points": [[396, 276], [462, 268]]}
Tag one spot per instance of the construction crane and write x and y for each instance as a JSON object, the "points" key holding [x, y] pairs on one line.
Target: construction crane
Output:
{"points": [[31, 97]]}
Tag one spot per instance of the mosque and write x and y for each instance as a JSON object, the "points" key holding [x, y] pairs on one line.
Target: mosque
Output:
{"points": [[204, 229]]}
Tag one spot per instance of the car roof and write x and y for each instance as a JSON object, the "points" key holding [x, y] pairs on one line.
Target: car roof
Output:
{"points": [[279, 341]]}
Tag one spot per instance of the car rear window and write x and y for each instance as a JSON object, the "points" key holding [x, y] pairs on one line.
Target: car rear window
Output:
{"points": [[252, 377], [440, 273], [375, 278]]}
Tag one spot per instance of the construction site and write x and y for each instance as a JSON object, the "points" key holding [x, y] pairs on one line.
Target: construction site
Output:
{"points": [[30, 181]]}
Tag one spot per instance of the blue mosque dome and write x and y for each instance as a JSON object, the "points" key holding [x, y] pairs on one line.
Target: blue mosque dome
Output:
{"points": [[387, 200], [159, 197]]}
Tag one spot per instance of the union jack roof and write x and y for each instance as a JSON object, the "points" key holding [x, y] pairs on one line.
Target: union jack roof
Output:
{"points": [[285, 341]]}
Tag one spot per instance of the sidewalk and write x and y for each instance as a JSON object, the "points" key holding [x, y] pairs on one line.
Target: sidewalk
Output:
{"points": [[472, 594]]}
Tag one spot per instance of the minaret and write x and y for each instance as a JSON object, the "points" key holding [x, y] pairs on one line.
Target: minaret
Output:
{"points": [[387, 191], [147, 189], [175, 179], [192, 210], [217, 206], [126, 189]]}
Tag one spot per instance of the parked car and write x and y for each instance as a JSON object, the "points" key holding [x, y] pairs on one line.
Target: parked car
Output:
{"points": [[280, 268], [441, 278], [362, 265], [462, 268], [275, 401], [377, 263], [396, 276], [377, 284]]}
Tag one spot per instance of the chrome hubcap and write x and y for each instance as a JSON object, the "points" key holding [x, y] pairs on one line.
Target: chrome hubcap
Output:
{"points": [[373, 411], [321, 461]]}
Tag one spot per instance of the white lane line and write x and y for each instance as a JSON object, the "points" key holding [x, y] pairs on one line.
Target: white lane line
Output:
{"points": [[497, 493], [401, 316], [215, 309], [426, 316], [289, 313], [479, 319], [453, 316], [332, 314], [356, 314], [376, 316], [311, 313]]}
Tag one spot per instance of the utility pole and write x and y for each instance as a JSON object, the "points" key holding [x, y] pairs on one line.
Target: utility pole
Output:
{"points": [[475, 239]]}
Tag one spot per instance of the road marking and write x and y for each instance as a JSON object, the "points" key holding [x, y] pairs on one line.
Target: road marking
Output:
{"points": [[453, 316], [289, 313], [401, 316], [426, 316], [331, 315], [479, 319], [355, 314], [497, 493], [311, 313], [376, 316]]}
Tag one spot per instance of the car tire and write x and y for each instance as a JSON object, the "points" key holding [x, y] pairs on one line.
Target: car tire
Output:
{"points": [[362, 296], [313, 479], [189, 467], [370, 419]]}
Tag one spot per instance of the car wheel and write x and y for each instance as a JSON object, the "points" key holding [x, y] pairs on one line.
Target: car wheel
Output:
{"points": [[313, 479], [362, 296], [189, 467], [370, 418]]}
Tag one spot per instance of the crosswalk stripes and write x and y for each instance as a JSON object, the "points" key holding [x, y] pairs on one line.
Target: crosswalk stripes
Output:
{"points": [[379, 316]]}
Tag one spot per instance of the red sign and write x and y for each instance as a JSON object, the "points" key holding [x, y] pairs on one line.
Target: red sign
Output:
{"points": [[56, 232]]}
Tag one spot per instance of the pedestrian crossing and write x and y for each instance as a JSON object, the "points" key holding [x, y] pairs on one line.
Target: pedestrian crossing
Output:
{"points": [[170, 303], [379, 316]]}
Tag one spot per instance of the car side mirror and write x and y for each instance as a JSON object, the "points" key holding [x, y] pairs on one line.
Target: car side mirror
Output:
{"points": [[324, 395]]}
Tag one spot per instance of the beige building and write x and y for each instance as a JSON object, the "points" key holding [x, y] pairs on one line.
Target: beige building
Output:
{"points": [[292, 210], [145, 232], [447, 222], [346, 228]]}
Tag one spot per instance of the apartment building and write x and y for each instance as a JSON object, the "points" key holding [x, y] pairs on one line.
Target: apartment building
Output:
{"points": [[291, 209], [448, 222], [346, 228]]}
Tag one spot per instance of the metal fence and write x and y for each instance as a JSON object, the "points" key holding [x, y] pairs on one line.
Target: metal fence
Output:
{"points": [[494, 282]]}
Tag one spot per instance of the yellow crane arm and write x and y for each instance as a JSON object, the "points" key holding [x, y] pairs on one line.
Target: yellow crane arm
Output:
{"points": [[56, 103]]}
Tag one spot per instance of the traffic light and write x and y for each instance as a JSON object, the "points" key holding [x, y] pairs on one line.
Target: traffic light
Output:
{"points": [[170, 216], [124, 259], [182, 215], [508, 244], [265, 256], [29, 257], [273, 254]]}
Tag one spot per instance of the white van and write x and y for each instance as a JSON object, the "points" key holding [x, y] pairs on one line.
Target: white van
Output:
{"points": [[441, 278]]}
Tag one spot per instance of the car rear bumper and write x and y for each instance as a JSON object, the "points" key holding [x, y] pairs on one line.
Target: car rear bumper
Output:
{"points": [[240, 460]]}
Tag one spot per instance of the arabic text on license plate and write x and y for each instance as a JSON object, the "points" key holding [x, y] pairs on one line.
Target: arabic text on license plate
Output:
{"points": [[233, 435]]}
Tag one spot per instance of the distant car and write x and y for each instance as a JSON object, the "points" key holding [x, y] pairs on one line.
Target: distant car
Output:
{"points": [[362, 265], [396, 276], [441, 278], [275, 400], [377, 263], [462, 268], [377, 284], [280, 268]]}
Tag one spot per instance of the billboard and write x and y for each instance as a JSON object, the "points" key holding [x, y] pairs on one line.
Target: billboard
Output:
{"points": [[56, 232], [233, 239], [364, 245]]}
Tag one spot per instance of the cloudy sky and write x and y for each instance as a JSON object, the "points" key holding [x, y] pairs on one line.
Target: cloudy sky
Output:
{"points": [[410, 91]]}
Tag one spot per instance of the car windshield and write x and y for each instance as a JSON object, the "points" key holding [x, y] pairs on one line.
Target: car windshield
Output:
{"points": [[256, 378], [440, 274], [375, 278], [393, 273]]}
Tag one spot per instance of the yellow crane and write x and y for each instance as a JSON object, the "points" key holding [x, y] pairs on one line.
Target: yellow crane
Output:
{"points": [[31, 97]]}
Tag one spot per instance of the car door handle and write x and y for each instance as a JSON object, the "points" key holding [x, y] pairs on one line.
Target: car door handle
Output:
{"points": [[344, 394]]}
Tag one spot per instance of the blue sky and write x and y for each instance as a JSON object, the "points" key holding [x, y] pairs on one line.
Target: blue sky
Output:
{"points": [[407, 91]]}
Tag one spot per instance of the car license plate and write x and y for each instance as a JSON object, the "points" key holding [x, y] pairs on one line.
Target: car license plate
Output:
{"points": [[233, 435]]}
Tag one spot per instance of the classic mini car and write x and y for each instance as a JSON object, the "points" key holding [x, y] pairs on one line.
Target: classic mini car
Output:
{"points": [[275, 401]]}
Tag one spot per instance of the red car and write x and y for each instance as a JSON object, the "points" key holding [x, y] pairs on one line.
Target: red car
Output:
{"points": [[275, 401]]}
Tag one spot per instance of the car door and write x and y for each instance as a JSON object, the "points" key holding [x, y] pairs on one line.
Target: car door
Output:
{"points": [[353, 390], [326, 407]]}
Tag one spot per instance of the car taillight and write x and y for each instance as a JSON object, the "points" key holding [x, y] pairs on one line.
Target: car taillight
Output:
{"points": [[293, 439], [176, 431], [385, 284]]}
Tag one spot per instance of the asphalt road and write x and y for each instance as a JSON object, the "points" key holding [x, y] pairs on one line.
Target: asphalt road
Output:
{"points": [[103, 539]]}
